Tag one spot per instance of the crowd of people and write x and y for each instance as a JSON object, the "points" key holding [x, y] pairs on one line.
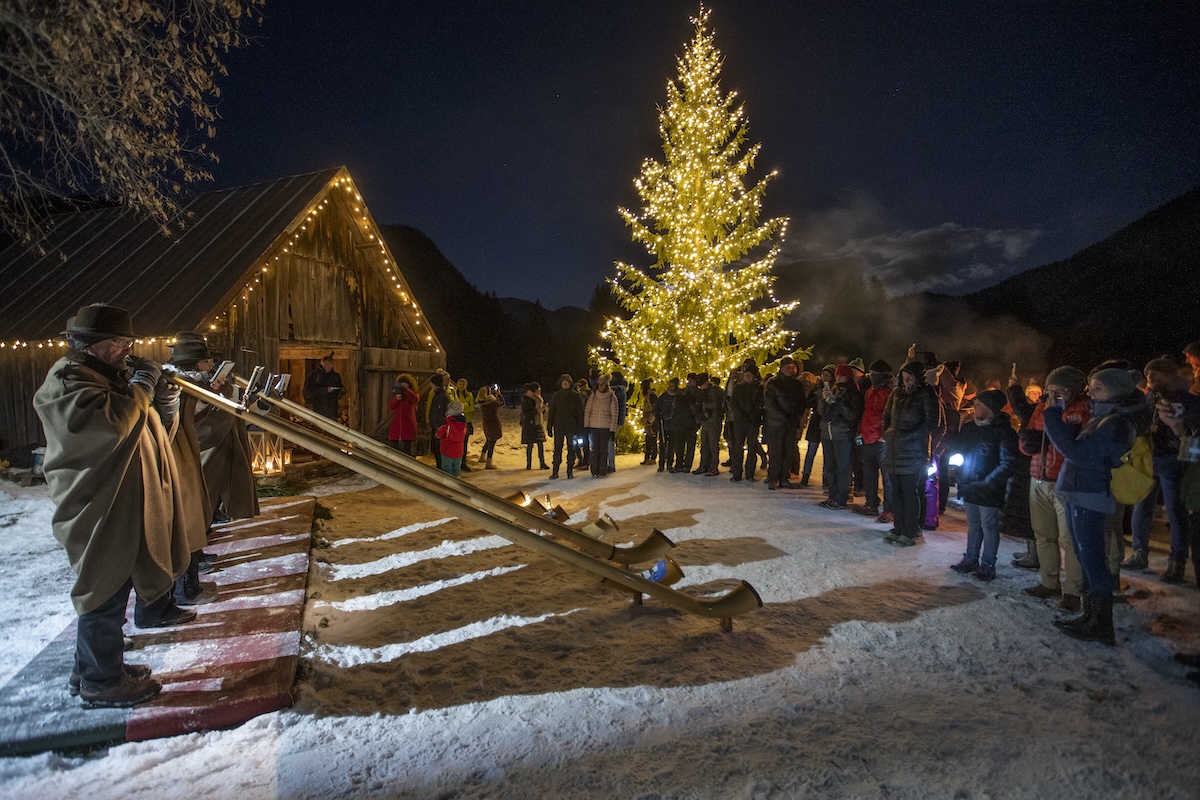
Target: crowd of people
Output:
{"points": [[139, 473], [1028, 459]]}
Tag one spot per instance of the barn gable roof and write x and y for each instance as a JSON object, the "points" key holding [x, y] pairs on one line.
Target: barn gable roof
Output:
{"points": [[167, 283]]}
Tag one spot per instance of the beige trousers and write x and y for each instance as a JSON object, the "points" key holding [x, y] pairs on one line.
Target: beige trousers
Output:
{"points": [[1049, 518]]}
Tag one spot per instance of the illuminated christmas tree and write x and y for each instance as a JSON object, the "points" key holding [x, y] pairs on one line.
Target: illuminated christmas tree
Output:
{"points": [[698, 308]]}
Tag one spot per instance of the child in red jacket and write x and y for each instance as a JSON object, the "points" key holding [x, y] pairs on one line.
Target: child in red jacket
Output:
{"points": [[453, 437]]}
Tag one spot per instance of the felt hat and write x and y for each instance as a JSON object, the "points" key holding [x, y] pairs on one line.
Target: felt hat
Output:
{"points": [[98, 322], [189, 353]]}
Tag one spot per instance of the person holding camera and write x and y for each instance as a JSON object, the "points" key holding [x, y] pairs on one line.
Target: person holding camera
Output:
{"points": [[840, 408], [1169, 387], [1186, 425], [402, 433]]}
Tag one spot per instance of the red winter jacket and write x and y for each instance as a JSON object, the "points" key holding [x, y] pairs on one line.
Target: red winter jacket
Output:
{"points": [[874, 402], [1046, 463], [404, 416], [453, 435]]}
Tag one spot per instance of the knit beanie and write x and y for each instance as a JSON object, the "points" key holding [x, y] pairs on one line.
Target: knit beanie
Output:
{"points": [[843, 370], [1120, 382], [1161, 364], [436, 379], [1067, 377], [994, 399], [857, 364], [453, 408], [879, 365]]}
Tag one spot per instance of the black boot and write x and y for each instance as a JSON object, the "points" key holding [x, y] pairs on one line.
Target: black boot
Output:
{"points": [[804, 479], [1068, 624], [162, 613], [1099, 628], [1174, 572]]}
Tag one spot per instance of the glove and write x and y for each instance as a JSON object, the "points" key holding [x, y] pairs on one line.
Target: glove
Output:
{"points": [[166, 393], [145, 372]]}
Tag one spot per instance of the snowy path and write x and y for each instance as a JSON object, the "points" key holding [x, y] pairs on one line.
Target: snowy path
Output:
{"points": [[486, 672]]}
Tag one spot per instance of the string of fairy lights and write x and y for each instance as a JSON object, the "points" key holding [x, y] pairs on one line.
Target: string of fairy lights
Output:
{"points": [[365, 229], [697, 309]]}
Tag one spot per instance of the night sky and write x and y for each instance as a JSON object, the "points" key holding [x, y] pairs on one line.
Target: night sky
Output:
{"points": [[940, 145]]}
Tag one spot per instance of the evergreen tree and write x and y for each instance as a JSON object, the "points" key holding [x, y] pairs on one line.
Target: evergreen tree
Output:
{"points": [[698, 308]]}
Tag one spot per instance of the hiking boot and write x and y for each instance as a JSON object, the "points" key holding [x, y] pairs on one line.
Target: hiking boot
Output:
{"points": [[735, 478], [966, 566], [1137, 560], [1028, 561], [1070, 603], [788, 485], [137, 671], [903, 541], [1041, 592], [553, 474], [985, 572], [163, 614], [832, 506], [206, 595], [891, 537], [126, 692], [866, 511], [886, 518], [712, 473], [1173, 572], [1098, 627], [1068, 623], [206, 563]]}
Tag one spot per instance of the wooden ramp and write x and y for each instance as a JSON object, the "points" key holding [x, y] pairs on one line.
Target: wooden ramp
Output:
{"points": [[235, 661]]}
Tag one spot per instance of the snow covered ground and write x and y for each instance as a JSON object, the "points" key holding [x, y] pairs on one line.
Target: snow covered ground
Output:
{"points": [[443, 662]]}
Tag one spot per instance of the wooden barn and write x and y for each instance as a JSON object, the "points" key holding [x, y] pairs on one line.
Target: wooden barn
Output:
{"points": [[277, 274]]}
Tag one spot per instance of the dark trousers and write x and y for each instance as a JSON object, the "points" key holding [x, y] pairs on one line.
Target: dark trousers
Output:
{"points": [[489, 449], [1088, 539], [541, 448], [810, 456], [908, 491], [187, 585], [599, 454], [664, 448], [838, 453], [569, 440], [99, 643], [684, 445], [651, 449], [872, 464], [781, 447], [435, 447], [710, 446], [856, 465], [1168, 474], [744, 437], [403, 445]]}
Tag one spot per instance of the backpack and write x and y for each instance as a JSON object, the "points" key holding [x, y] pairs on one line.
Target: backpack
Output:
{"points": [[1133, 479]]}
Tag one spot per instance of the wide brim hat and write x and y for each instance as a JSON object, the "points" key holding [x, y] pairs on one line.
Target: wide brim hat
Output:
{"points": [[189, 353], [98, 322], [188, 336]]}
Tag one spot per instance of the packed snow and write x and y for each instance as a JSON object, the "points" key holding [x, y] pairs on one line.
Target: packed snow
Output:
{"points": [[444, 662]]}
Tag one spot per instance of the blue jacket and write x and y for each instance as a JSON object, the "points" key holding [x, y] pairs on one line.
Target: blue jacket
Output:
{"points": [[1092, 451]]}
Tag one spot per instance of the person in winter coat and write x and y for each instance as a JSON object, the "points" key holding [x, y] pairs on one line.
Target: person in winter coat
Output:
{"points": [[402, 433], [600, 415], [911, 422], [1166, 384], [564, 422], [745, 415], [664, 411], [840, 407], [649, 422], [989, 448], [453, 437], [489, 402], [621, 389], [812, 427], [115, 490], [783, 406], [870, 430], [711, 404], [533, 426], [1091, 452], [323, 387], [684, 425], [1186, 425], [584, 388], [1047, 514], [462, 394], [436, 403]]}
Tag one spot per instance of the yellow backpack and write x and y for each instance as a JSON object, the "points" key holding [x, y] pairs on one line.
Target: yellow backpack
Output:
{"points": [[1134, 478]]}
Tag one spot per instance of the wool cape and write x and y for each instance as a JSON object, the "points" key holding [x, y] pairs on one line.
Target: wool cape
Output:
{"points": [[225, 457], [185, 449], [119, 510]]}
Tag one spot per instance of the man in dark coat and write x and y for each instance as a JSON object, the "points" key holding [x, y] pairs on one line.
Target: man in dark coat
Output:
{"points": [[783, 407], [438, 402], [912, 421], [564, 422], [684, 425], [116, 493], [323, 387], [745, 416], [664, 412], [711, 405], [840, 407]]}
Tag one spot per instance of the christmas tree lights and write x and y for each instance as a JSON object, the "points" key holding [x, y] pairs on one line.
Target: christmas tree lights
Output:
{"points": [[698, 309]]}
